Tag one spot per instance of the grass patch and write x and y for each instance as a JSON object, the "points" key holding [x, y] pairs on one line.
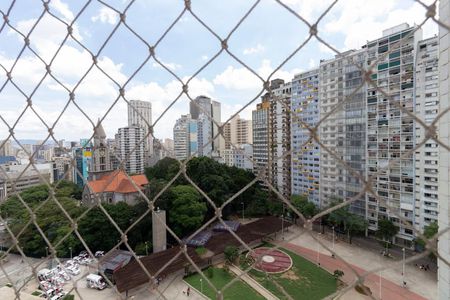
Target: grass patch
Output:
{"points": [[303, 281], [36, 293], [200, 251], [68, 297], [238, 290]]}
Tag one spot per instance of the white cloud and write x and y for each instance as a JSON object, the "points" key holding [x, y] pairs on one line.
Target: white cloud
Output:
{"points": [[205, 57], [259, 48], [243, 79], [361, 21], [105, 15], [312, 63], [63, 9]]}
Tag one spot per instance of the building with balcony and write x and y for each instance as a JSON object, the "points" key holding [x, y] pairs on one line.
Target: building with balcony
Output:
{"points": [[305, 157], [390, 130]]}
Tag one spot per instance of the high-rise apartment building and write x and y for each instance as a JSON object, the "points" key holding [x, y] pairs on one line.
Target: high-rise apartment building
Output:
{"points": [[343, 130], [280, 136], [7, 148], [181, 137], [130, 149], [427, 156], [140, 114], [204, 135], [212, 113], [305, 158], [238, 132], [168, 147], [390, 130], [271, 136], [260, 124]]}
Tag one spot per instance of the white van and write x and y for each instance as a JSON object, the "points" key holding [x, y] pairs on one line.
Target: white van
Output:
{"points": [[95, 282]]}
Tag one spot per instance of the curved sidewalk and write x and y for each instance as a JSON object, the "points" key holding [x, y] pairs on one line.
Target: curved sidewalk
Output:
{"points": [[389, 290]]}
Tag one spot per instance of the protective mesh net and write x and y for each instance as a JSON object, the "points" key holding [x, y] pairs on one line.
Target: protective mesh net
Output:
{"points": [[366, 183]]}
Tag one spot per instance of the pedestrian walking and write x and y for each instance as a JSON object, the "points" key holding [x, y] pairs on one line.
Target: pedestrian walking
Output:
{"points": [[188, 291]]}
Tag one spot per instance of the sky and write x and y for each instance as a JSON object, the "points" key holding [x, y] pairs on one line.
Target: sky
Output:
{"points": [[267, 36]]}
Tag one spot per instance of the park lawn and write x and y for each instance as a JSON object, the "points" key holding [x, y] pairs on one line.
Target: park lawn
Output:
{"points": [[303, 281], [237, 291]]}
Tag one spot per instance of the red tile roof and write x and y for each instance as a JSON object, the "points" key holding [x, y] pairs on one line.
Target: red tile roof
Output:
{"points": [[117, 182]]}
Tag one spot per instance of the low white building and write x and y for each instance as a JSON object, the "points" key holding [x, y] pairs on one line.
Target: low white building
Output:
{"points": [[15, 181], [239, 157]]}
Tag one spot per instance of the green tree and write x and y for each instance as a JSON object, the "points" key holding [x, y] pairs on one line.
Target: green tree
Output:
{"points": [[165, 169], [429, 232], [346, 221], [231, 253], [386, 230], [306, 208], [188, 210]]}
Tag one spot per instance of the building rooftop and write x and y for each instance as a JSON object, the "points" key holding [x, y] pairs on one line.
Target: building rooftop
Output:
{"points": [[117, 182]]}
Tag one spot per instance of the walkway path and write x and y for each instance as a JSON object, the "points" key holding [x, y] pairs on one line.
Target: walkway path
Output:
{"points": [[389, 290], [253, 283]]}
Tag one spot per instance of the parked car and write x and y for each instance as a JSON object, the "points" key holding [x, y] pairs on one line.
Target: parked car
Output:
{"points": [[99, 253], [83, 253], [73, 269], [45, 275], [77, 259], [95, 282]]}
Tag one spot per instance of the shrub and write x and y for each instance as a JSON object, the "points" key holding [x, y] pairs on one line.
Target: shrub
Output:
{"points": [[210, 272], [231, 254]]}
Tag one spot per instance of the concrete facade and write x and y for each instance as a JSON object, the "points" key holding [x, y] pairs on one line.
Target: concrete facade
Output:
{"points": [[305, 152]]}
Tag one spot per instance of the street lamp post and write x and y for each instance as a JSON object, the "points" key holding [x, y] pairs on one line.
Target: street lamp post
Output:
{"points": [[282, 227], [379, 277], [333, 238], [46, 251], [201, 285], [332, 255], [70, 248], [146, 248], [243, 210], [403, 266]]}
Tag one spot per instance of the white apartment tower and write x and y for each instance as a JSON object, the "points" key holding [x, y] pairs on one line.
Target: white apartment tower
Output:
{"points": [[212, 111], [238, 132], [341, 91], [390, 130], [305, 158], [130, 148], [181, 137], [427, 156], [140, 114]]}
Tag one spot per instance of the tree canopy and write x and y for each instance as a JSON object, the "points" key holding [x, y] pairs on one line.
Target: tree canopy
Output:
{"points": [[386, 229], [188, 211]]}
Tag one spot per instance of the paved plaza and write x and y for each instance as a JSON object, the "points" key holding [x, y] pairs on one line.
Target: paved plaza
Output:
{"points": [[420, 284]]}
